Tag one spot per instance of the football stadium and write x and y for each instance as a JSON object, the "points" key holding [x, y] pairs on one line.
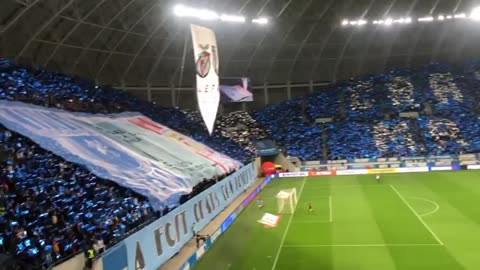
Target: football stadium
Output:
{"points": [[239, 135]]}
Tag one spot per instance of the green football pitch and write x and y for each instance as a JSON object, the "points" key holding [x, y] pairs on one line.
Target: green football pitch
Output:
{"points": [[407, 221]]}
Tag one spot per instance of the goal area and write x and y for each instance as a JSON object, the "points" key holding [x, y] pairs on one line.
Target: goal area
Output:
{"points": [[287, 201]]}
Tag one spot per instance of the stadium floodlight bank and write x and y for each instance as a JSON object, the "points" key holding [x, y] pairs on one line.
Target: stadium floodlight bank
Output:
{"points": [[287, 201]]}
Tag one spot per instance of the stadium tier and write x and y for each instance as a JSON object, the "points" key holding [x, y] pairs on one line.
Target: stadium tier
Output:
{"points": [[51, 208], [360, 119], [378, 116]]}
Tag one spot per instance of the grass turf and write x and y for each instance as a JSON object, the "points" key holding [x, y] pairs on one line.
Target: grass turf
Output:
{"points": [[407, 221]]}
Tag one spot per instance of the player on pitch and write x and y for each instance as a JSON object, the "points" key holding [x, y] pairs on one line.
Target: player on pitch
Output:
{"points": [[310, 208], [377, 178], [259, 202]]}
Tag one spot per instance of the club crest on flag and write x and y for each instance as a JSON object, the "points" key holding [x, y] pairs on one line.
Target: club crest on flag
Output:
{"points": [[204, 61], [215, 59]]}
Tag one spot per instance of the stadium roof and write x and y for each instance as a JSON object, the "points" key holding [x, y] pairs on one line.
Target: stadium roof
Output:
{"points": [[140, 42]]}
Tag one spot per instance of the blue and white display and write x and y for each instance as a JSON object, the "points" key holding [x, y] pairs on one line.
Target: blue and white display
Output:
{"points": [[127, 148]]}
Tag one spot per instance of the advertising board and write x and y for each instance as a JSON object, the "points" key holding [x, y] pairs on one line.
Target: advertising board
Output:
{"points": [[152, 246], [293, 174]]}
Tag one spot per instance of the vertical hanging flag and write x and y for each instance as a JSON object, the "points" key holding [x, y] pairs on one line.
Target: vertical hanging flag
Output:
{"points": [[206, 65]]}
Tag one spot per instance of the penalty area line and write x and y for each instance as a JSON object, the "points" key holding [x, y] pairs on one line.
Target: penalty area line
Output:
{"points": [[417, 215], [288, 226]]}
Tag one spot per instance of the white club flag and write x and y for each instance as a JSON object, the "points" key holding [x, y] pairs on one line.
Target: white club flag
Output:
{"points": [[206, 64]]}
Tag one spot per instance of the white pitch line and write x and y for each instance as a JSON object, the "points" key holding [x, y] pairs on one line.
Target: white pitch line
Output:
{"points": [[349, 186], [288, 226], [416, 214], [429, 201], [331, 209], [311, 221], [366, 245]]}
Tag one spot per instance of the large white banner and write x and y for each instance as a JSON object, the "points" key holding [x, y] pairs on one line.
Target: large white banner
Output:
{"points": [[127, 148], [207, 66]]}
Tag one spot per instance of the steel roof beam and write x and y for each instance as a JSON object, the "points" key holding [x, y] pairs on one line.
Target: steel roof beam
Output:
{"points": [[40, 30], [71, 31], [99, 33], [123, 38]]}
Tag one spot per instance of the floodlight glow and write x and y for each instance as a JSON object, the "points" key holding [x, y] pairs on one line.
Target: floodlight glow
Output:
{"points": [[353, 22], [179, 10], [375, 22], [425, 19], [202, 14], [260, 21], [460, 16], [441, 18], [232, 18], [449, 17], [345, 22], [475, 15], [362, 22], [388, 21], [408, 20]]}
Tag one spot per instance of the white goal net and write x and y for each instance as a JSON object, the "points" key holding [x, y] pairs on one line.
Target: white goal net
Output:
{"points": [[287, 201]]}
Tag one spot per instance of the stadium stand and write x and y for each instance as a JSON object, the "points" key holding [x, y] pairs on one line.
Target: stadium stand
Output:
{"points": [[50, 208], [371, 127], [361, 128]]}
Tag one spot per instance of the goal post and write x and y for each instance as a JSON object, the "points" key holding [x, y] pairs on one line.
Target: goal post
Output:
{"points": [[287, 201]]}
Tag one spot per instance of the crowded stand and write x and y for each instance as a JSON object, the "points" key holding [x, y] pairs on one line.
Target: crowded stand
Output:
{"points": [[240, 128], [445, 93], [363, 99], [397, 138], [402, 95], [323, 104], [288, 126], [442, 136], [365, 132], [470, 129], [51, 209], [350, 140]]}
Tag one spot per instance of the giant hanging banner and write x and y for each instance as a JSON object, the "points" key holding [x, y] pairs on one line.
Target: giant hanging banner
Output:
{"points": [[127, 148], [207, 66]]}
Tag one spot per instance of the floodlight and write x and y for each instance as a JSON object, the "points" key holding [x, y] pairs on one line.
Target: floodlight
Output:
{"points": [[203, 14], [449, 17], [362, 22], [460, 16], [179, 10], [425, 19], [232, 18], [441, 18], [375, 22], [345, 22], [353, 22], [475, 15], [408, 20], [388, 21], [260, 21]]}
